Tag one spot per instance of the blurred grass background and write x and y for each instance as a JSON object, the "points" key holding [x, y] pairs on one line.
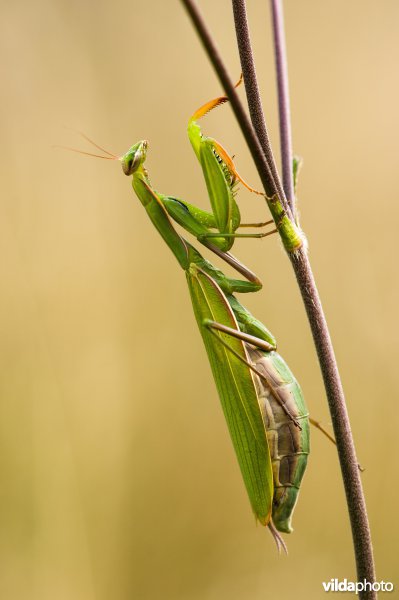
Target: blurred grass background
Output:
{"points": [[118, 479]]}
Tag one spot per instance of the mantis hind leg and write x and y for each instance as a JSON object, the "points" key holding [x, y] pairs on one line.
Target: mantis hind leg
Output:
{"points": [[320, 427], [213, 327]]}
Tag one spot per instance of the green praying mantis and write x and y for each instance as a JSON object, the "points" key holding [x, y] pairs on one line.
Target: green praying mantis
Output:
{"points": [[262, 402]]}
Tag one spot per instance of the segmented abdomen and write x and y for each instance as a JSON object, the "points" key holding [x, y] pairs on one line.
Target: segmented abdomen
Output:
{"points": [[288, 445]]}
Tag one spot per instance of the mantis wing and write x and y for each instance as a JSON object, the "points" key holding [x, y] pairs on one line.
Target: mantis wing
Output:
{"points": [[237, 392]]}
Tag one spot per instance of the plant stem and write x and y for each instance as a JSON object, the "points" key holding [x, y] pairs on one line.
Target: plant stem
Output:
{"points": [[340, 420], [284, 112], [252, 90], [300, 262]]}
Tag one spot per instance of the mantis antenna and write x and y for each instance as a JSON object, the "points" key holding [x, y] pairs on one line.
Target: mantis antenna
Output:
{"points": [[84, 136]]}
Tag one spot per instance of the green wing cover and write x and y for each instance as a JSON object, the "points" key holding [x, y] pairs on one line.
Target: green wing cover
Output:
{"points": [[237, 392]]}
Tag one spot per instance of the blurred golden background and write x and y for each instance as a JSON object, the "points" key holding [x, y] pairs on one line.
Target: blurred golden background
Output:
{"points": [[118, 479]]}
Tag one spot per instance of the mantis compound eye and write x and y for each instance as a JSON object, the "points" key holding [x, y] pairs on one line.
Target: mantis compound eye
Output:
{"points": [[127, 164], [134, 158]]}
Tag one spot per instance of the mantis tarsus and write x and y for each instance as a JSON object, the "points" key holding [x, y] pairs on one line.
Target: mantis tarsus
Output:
{"points": [[262, 401]]}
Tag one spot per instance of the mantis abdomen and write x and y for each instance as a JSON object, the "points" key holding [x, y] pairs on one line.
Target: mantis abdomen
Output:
{"points": [[288, 445]]}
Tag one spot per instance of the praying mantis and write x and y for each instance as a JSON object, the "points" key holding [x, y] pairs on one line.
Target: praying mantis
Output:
{"points": [[261, 399], [262, 402]]}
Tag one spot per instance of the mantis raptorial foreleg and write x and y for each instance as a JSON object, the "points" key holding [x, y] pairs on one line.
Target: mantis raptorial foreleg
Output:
{"points": [[198, 140], [221, 179], [216, 229], [133, 164]]}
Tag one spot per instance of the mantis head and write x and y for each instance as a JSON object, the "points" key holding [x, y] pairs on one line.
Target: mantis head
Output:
{"points": [[134, 157], [132, 160]]}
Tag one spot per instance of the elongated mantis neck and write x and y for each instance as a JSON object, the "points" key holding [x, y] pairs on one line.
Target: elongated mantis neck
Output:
{"points": [[139, 177]]}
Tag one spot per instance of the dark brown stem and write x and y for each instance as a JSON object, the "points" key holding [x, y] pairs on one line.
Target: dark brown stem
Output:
{"points": [[346, 451], [252, 90], [340, 420]]}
